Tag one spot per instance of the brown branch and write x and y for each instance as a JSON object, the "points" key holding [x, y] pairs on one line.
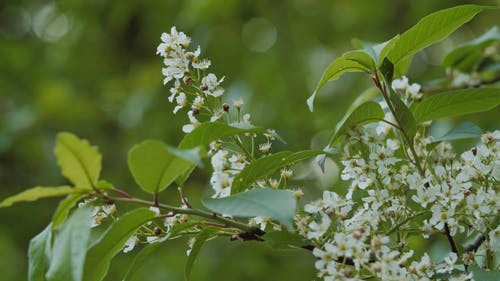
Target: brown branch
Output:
{"points": [[478, 241]]}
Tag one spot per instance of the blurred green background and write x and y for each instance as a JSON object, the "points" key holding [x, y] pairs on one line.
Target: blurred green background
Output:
{"points": [[89, 67]]}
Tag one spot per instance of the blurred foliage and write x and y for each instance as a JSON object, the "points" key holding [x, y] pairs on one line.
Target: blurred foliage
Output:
{"points": [[90, 67]]}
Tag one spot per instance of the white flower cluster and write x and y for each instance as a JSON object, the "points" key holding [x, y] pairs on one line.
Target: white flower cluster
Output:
{"points": [[100, 212], [225, 167], [157, 231], [185, 68], [410, 91], [456, 195], [203, 94]]}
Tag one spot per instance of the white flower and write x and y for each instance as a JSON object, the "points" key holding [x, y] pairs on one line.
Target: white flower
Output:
{"points": [[442, 216], [130, 244], [188, 128], [317, 230], [265, 147], [181, 102], [413, 91], [400, 84], [221, 183], [211, 86], [217, 115], [219, 160], [449, 263], [202, 64], [260, 222], [324, 256], [172, 40]]}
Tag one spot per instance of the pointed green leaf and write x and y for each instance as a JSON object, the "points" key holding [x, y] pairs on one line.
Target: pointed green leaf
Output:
{"points": [[266, 166], [38, 255], [429, 30], [367, 112], [79, 161], [204, 235], [39, 192], [155, 165], [139, 260], [100, 254], [466, 56], [70, 247], [466, 130], [353, 61], [404, 116], [455, 103], [64, 208], [276, 204], [205, 133]]}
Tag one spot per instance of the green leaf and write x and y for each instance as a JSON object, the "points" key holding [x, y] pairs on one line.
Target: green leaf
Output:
{"points": [[155, 165], [283, 240], [38, 255], [103, 184], [100, 254], [466, 56], [266, 166], [353, 61], [139, 260], [404, 116], [39, 192], [79, 161], [367, 112], [201, 238], [64, 207], [276, 204], [455, 103], [429, 30], [205, 133], [466, 130], [70, 247], [483, 275]]}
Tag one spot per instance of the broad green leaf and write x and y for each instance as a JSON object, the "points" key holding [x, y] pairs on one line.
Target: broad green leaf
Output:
{"points": [[70, 247], [155, 165], [79, 161], [276, 204], [139, 260], [429, 30], [353, 61], [455, 103], [201, 238], [38, 252], [483, 275], [404, 116], [39, 192], [367, 112], [466, 130], [205, 133], [100, 254], [466, 56], [64, 207], [266, 166], [284, 240]]}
